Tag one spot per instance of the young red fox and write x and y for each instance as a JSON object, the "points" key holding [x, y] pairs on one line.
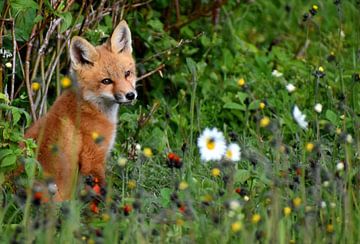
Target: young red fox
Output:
{"points": [[65, 135]]}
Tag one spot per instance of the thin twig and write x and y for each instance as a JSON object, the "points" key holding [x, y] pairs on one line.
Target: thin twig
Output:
{"points": [[13, 61], [151, 72], [50, 31], [27, 72], [180, 44]]}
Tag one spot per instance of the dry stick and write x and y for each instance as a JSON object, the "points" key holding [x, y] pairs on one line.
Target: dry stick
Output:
{"points": [[27, 72], [52, 67], [14, 60], [151, 72], [180, 44]]}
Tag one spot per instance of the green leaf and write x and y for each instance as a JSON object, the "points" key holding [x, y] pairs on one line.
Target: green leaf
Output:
{"points": [[30, 167], [16, 115], [4, 97], [331, 116], [242, 175], [191, 66], [254, 105], [8, 160], [242, 96], [165, 197], [5, 152], [23, 5], [66, 23], [232, 105]]}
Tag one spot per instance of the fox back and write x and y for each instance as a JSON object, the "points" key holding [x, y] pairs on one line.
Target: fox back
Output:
{"points": [[79, 130]]}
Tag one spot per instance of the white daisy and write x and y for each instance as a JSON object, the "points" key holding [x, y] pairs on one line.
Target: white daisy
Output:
{"points": [[290, 87], [211, 144], [233, 152], [276, 73], [299, 117]]}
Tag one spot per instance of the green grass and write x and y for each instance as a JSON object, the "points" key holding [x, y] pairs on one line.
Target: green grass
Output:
{"points": [[279, 169]]}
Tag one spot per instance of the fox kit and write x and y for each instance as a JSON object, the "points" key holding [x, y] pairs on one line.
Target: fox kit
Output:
{"points": [[68, 135]]}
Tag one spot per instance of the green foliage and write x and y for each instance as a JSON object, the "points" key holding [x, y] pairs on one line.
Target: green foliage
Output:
{"points": [[206, 50]]}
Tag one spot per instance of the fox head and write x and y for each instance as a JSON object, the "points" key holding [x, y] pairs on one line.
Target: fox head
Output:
{"points": [[106, 74]]}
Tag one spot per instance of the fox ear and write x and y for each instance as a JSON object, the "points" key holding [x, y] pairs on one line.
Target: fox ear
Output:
{"points": [[120, 40], [82, 52]]}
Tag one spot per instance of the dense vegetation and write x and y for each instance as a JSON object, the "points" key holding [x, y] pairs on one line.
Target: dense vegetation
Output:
{"points": [[251, 69]]}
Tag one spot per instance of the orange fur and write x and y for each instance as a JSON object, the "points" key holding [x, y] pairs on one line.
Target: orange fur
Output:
{"points": [[64, 134]]}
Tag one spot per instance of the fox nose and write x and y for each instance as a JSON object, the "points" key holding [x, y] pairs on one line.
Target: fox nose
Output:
{"points": [[130, 96]]}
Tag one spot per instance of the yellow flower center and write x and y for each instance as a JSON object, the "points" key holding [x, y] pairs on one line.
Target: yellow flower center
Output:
{"points": [[241, 82], [210, 144], [229, 154], [264, 122], [66, 82]]}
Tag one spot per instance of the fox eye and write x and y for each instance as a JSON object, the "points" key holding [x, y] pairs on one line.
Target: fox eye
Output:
{"points": [[127, 73], [107, 81]]}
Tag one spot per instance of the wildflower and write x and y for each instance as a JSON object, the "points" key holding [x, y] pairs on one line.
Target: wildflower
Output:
{"points": [[105, 217], [318, 107], [241, 82], [65, 82], [290, 87], [236, 226], [35, 86], [94, 207], [122, 162], [138, 147], [323, 204], [329, 228], [182, 208], [262, 105], [332, 205], [340, 166], [233, 152], [215, 172], [234, 204], [174, 161], [314, 9], [264, 122], [246, 198], [309, 147], [338, 131], [276, 73], [349, 139], [180, 222], [241, 191], [326, 183], [8, 65], [52, 188], [299, 117], [96, 188], [183, 185], [297, 202], [320, 72], [206, 199], [287, 211], [131, 184], [255, 218], [148, 152], [127, 208], [96, 137], [211, 144]]}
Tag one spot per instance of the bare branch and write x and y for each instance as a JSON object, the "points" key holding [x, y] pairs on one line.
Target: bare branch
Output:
{"points": [[151, 72]]}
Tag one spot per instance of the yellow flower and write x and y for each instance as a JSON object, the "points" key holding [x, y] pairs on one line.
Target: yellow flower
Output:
{"points": [[297, 202], [241, 82], [236, 226], [287, 211], [180, 222], [183, 185], [131, 184], [215, 172], [65, 82], [338, 131], [309, 147], [255, 218], [206, 198], [35, 86], [321, 69], [148, 152], [122, 161], [105, 217], [330, 228], [264, 122], [315, 7], [8, 65], [262, 105]]}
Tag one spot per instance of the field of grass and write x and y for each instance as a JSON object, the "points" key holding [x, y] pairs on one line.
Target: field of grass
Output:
{"points": [[281, 79]]}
